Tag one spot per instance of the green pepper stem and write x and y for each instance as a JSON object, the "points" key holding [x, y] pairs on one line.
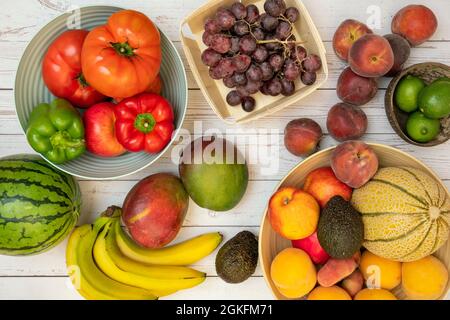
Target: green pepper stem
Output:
{"points": [[64, 140], [123, 48], [145, 122]]}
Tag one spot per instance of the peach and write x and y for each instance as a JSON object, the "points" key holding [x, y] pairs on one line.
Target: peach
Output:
{"points": [[346, 122], [371, 56], [416, 23], [346, 34], [401, 50], [353, 283], [302, 136], [354, 163], [323, 185], [354, 89], [293, 213], [336, 270]]}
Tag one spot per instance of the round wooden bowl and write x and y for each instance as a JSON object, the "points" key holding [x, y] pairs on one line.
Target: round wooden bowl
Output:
{"points": [[270, 243], [428, 72]]}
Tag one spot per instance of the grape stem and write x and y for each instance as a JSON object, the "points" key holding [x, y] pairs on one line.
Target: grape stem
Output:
{"points": [[285, 42]]}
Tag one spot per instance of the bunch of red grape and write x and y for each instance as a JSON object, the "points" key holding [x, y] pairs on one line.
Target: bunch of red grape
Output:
{"points": [[254, 52]]}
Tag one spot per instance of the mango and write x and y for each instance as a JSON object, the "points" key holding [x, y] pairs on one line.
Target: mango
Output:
{"points": [[214, 173], [424, 279]]}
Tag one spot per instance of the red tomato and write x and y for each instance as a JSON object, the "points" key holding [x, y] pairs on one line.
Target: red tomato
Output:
{"points": [[61, 70], [99, 121], [123, 57]]}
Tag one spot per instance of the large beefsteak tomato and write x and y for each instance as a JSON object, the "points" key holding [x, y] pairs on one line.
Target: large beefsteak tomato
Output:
{"points": [[61, 70], [121, 59]]}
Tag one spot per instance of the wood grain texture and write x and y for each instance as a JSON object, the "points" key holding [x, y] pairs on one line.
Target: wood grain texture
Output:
{"points": [[43, 276]]}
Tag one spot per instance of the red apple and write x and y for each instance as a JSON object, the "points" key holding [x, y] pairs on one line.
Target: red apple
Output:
{"points": [[154, 209], [313, 248], [323, 185], [99, 130], [354, 163]]}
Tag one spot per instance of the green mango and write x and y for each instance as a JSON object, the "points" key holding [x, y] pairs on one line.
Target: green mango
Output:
{"points": [[214, 173]]}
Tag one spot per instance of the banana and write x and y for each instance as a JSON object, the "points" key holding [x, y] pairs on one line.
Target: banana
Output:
{"points": [[181, 254], [80, 283], [107, 265], [152, 271], [95, 277]]}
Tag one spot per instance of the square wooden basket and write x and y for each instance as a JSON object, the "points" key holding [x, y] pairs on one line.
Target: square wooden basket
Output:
{"points": [[191, 31]]}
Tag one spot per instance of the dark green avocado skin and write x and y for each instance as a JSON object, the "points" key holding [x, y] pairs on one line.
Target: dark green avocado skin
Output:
{"points": [[341, 229], [237, 259]]}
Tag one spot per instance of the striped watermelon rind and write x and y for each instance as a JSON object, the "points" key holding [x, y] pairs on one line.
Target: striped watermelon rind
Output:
{"points": [[39, 205]]}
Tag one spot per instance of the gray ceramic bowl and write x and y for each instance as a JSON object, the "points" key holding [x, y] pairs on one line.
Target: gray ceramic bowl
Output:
{"points": [[30, 90]]}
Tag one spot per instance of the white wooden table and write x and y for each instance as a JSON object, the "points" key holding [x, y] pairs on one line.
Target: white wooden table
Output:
{"points": [[44, 276]]}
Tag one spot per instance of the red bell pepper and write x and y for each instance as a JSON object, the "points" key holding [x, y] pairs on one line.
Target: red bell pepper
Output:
{"points": [[144, 122]]}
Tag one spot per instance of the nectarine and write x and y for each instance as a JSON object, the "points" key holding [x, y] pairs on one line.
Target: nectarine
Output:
{"points": [[354, 163], [293, 213], [323, 185], [401, 49], [346, 34], [416, 23], [346, 122], [302, 136], [371, 56], [354, 89]]}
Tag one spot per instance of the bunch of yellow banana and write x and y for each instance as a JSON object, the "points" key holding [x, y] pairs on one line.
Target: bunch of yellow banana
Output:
{"points": [[103, 262]]}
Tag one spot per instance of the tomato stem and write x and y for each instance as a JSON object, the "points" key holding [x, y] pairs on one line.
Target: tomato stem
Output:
{"points": [[82, 80], [144, 122], [123, 48]]}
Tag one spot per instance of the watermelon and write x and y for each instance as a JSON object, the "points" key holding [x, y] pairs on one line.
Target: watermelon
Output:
{"points": [[39, 205]]}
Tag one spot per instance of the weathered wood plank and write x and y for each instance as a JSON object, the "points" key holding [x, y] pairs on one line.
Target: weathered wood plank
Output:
{"points": [[53, 263], [199, 114], [271, 161], [98, 195], [60, 288], [10, 53], [326, 14]]}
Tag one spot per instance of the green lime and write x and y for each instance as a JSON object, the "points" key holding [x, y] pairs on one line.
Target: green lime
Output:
{"points": [[407, 92], [421, 128], [434, 100], [443, 79]]}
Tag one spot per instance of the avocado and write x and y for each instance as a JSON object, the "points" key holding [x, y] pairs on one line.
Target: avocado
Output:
{"points": [[341, 229], [214, 173], [237, 259]]}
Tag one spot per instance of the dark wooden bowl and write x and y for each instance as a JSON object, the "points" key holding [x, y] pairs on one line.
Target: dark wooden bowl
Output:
{"points": [[428, 72]]}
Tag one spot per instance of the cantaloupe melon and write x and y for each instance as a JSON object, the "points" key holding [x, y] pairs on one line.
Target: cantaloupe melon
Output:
{"points": [[406, 213]]}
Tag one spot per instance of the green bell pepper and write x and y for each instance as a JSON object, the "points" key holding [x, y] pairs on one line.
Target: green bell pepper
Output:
{"points": [[56, 131]]}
